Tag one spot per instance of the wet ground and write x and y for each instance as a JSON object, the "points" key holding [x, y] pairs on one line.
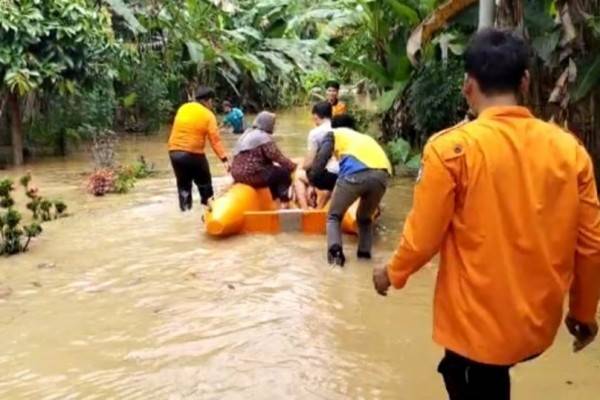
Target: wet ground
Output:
{"points": [[127, 299]]}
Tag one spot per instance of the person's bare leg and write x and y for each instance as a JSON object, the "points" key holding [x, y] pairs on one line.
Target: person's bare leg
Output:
{"points": [[323, 197], [301, 189], [300, 194]]}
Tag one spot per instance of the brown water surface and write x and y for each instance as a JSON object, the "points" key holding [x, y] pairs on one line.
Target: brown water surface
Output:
{"points": [[141, 305]]}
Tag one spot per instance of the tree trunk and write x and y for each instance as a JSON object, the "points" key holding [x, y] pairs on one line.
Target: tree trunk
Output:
{"points": [[486, 14], [509, 14], [16, 129]]}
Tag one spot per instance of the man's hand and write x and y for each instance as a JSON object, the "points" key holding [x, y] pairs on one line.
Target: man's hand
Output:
{"points": [[381, 280], [584, 333], [227, 166]]}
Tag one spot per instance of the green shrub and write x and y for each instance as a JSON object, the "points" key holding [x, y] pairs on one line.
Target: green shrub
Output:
{"points": [[125, 180], [63, 120], [366, 121], [315, 80], [435, 101], [398, 151], [120, 180], [145, 93], [402, 156], [14, 236], [143, 169]]}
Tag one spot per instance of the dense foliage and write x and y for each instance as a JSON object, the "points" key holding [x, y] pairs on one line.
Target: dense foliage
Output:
{"points": [[53, 44], [434, 99], [71, 68], [51, 47]]}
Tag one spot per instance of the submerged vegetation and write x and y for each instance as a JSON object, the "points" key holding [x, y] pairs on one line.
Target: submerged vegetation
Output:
{"points": [[15, 236], [109, 176]]}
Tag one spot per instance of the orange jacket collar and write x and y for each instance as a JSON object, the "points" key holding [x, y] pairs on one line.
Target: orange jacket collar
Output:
{"points": [[506, 111]]}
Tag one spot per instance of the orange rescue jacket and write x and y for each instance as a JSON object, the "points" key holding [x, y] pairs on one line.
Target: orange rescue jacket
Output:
{"points": [[510, 202], [339, 108], [194, 123]]}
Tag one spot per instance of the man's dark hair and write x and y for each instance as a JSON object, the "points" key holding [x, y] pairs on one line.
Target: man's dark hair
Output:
{"points": [[205, 93], [333, 84], [343, 121], [322, 110], [497, 60]]}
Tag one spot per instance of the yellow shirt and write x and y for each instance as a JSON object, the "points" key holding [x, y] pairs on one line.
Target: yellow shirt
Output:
{"points": [[365, 149], [510, 202], [194, 124]]}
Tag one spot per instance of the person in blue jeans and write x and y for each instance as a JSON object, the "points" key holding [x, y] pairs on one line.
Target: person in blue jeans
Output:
{"points": [[234, 117]]}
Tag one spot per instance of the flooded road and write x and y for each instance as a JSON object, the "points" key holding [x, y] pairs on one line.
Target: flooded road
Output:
{"points": [[127, 299]]}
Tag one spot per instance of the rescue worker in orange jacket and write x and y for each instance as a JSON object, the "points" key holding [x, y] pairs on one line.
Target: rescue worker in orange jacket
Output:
{"points": [[195, 123], [510, 202], [338, 107]]}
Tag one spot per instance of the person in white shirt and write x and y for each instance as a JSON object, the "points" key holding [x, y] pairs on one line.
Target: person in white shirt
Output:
{"points": [[317, 192]]}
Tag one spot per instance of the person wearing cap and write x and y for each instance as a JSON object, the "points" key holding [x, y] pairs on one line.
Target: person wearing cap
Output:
{"points": [[510, 202], [234, 117], [364, 172], [338, 107], [195, 124]]}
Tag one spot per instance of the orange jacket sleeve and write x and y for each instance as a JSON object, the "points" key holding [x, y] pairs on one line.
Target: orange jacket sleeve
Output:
{"points": [[215, 138], [585, 288], [426, 225]]}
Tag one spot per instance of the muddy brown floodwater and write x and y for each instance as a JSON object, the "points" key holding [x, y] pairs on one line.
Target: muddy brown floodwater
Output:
{"points": [[140, 304]]}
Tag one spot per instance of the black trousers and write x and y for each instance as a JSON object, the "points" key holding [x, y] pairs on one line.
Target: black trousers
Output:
{"points": [[188, 168], [325, 181], [279, 182], [469, 380]]}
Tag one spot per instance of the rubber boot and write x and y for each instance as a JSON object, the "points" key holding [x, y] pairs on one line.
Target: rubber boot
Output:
{"points": [[335, 255]]}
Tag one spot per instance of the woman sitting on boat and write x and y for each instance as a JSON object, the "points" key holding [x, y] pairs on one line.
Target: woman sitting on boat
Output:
{"points": [[259, 163]]}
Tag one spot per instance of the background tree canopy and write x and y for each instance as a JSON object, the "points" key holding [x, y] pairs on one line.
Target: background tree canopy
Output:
{"points": [[68, 67]]}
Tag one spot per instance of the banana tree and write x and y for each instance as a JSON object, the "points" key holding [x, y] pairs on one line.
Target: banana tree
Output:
{"points": [[435, 21], [236, 47], [565, 36], [383, 60]]}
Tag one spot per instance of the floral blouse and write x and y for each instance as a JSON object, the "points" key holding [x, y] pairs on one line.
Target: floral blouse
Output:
{"points": [[251, 167]]}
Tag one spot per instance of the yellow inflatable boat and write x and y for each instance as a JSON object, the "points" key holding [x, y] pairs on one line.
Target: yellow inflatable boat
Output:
{"points": [[243, 209]]}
